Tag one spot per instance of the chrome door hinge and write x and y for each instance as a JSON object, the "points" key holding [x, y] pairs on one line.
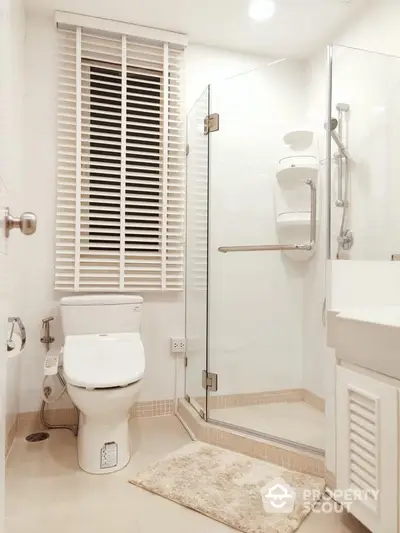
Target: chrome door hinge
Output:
{"points": [[187, 150], [211, 123], [186, 361], [209, 381]]}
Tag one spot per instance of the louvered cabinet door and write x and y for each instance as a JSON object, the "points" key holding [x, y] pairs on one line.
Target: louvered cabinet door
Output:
{"points": [[367, 447]]}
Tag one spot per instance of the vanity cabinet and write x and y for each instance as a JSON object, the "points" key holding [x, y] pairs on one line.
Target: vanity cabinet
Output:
{"points": [[367, 447]]}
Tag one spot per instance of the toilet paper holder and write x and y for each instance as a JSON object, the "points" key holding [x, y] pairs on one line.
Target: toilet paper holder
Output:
{"points": [[22, 331]]}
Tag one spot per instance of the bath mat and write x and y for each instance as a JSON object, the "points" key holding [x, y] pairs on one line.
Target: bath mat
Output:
{"points": [[247, 494]]}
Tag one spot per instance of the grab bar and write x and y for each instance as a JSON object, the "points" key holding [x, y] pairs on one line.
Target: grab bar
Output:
{"points": [[307, 247]]}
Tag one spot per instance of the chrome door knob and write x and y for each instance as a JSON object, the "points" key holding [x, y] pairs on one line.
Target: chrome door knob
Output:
{"points": [[27, 222]]}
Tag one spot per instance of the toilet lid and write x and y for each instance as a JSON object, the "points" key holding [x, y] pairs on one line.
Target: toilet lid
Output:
{"points": [[103, 360]]}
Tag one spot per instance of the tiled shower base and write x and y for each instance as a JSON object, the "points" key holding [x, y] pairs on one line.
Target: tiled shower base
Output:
{"points": [[286, 456], [296, 415], [294, 421]]}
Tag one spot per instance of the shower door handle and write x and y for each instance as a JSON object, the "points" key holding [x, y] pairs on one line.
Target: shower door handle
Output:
{"points": [[265, 248]]}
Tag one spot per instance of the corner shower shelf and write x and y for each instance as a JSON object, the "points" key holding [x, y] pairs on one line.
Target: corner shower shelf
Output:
{"points": [[294, 169], [295, 227], [287, 221], [299, 139]]}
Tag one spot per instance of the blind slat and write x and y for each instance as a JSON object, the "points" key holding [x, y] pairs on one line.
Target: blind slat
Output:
{"points": [[120, 168]]}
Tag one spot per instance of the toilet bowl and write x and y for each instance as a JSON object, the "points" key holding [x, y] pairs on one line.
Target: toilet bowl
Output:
{"points": [[103, 425], [103, 363]]}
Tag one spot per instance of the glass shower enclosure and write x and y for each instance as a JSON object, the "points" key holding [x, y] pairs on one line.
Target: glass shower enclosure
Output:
{"points": [[365, 185], [252, 222]]}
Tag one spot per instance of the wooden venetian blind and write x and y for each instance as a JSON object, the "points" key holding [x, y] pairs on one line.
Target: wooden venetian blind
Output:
{"points": [[120, 171]]}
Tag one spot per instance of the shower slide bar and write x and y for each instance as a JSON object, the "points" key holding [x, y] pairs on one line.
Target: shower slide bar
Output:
{"points": [[307, 247]]}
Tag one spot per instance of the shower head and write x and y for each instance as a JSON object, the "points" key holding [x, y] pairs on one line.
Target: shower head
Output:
{"points": [[338, 141], [334, 124]]}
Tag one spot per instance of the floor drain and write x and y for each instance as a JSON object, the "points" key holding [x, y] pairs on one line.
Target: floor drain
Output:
{"points": [[37, 437]]}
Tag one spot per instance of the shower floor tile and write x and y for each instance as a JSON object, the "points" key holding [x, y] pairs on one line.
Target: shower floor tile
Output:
{"points": [[295, 421]]}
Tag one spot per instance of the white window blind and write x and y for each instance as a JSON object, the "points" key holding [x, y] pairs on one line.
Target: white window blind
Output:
{"points": [[120, 171]]}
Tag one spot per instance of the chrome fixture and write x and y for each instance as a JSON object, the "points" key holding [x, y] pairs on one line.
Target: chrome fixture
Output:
{"points": [[346, 240], [22, 331], [27, 222], [209, 381], [307, 247], [342, 157], [337, 137], [46, 338]]}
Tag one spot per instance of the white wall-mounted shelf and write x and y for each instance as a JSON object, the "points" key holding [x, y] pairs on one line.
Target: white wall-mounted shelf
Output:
{"points": [[296, 169], [295, 227], [293, 220], [299, 140]]}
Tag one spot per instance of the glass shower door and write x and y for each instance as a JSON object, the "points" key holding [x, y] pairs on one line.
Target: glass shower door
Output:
{"points": [[196, 252], [256, 298]]}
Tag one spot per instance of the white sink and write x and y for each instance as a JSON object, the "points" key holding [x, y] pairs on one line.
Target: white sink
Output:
{"points": [[368, 337]]}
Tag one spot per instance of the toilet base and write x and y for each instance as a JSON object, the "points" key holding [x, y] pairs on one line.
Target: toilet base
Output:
{"points": [[103, 436], [103, 448]]}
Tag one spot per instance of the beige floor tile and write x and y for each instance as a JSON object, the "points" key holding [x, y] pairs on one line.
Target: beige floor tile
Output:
{"points": [[46, 490], [295, 421]]}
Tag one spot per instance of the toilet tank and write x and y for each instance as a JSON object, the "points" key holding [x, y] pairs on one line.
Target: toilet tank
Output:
{"points": [[101, 313]]}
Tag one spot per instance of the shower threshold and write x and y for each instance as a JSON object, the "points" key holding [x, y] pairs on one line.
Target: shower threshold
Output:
{"points": [[284, 453]]}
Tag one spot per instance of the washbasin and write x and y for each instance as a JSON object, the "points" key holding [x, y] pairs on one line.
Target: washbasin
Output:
{"points": [[368, 337]]}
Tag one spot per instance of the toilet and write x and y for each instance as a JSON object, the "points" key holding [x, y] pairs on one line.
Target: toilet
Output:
{"points": [[103, 364]]}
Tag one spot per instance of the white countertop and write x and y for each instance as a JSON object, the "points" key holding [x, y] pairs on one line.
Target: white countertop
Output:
{"points": [[384, 316]]}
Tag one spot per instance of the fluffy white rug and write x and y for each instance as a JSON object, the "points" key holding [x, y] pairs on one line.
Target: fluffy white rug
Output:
{"points": [[232, 488]]}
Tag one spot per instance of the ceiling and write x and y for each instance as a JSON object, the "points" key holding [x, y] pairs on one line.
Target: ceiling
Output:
{"points": [[298, 28]]}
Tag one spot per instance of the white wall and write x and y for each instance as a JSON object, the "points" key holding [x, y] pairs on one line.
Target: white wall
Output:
{"points": [[12, 92], [375, 28]]}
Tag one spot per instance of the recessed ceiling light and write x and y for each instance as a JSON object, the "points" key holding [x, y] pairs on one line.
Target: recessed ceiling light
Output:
{"points": [[261, 10]]}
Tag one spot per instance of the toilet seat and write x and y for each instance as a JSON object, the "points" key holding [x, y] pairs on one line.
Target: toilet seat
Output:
{"points": [[103, 360]]}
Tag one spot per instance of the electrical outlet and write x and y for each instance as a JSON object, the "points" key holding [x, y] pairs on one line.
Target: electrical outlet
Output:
{"points": [[178, 345]]}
